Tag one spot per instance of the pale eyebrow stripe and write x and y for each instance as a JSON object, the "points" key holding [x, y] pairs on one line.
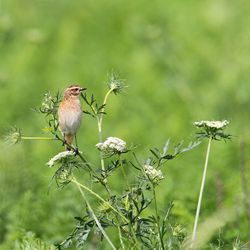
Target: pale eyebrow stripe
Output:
{"points": [[76, 87]]}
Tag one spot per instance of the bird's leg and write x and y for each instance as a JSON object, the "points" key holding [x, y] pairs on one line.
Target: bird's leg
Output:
{"points": [[64, 140], [65, 143], [76, 148]]}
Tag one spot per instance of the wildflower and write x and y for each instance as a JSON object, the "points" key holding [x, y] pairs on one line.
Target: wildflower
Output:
{"points": [[59, 157], [154, 174], [213, 129], [14, 136], [212, 124], [112, 145]]}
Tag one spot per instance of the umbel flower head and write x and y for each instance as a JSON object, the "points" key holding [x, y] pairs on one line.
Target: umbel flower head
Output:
{"points": [[112, 145], [214, 129], [154, 175], [212, 124], [60, 157]]}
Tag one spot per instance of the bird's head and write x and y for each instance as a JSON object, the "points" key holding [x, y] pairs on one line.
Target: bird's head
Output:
{"points": [[73, 91]]}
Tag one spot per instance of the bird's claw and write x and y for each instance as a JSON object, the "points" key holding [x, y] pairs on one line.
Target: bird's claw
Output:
{"points": [[76, 151]]}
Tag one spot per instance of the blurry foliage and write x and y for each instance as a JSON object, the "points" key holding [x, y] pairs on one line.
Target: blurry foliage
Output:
{"points": [[182, 62], [30, 242]]}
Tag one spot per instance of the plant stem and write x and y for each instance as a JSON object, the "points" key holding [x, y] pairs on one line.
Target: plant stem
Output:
{"points": [[101, 115], [95, 218], [201, 193], [99, 124], [100, 140], [37, 138], [157, 218]]}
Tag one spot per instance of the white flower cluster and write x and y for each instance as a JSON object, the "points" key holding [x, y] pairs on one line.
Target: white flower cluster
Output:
{"points": [[212, 124], [59, 157], [153, 173], [112, 145]]}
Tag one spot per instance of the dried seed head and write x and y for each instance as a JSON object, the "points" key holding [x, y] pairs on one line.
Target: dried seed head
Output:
{"points": [[47, 103], [115, 84], [14, 136]]}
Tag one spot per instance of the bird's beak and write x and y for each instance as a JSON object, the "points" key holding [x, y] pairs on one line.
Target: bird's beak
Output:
{"points": [[82, 89]]}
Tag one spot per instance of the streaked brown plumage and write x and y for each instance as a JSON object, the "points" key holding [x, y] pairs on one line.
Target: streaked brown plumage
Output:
{"points": [[70, 113]]}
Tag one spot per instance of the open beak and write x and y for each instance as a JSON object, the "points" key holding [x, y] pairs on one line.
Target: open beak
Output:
{"points": [[82, 89]]}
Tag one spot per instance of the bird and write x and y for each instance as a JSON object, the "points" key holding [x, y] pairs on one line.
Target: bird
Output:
{"points": [[70, 114]]}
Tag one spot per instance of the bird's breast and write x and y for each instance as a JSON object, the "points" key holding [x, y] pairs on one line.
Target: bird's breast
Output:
{"points": [[70, 117]]}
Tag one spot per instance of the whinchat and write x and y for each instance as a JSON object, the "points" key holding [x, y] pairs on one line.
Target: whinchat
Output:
{"points": [[70, 113]]}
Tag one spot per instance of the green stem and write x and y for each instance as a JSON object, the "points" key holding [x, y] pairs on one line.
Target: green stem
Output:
{"points": [[95, 218], [37, 138], [201, 193], [99, 124], [157, 218], [100, 119], [103, 109], [100, 140]]}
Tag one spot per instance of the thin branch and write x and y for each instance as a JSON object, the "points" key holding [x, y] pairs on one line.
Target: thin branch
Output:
{"points": [[96, 219]]}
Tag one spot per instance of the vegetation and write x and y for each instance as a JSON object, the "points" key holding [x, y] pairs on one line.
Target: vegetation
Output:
{"points": [[181, 62]]}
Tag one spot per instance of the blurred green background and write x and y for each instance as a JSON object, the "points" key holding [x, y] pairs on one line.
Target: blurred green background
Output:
{"points": [[181, 60]]}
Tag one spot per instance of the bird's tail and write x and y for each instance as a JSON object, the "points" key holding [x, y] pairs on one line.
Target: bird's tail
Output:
{"points": [[69, 139]]}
